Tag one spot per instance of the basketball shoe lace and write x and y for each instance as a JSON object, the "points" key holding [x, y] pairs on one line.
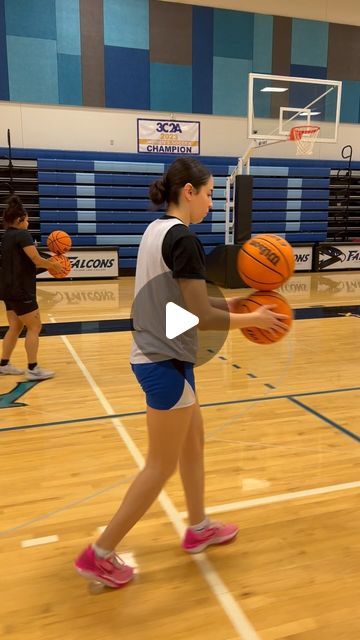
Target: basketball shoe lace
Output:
{"points": [[112, 561], [213, 525]]}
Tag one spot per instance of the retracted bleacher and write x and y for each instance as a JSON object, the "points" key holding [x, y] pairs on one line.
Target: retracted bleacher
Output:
{"points": [[106, 203], [292, 201], [23, 179], [289, 200], [101, 202], [102, 199]]}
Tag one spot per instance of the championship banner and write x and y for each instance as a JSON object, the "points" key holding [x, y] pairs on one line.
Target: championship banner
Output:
{"points": [[168, 136]]}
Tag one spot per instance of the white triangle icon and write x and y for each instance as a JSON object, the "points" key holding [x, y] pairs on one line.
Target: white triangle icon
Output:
{"points": [[178, 320]]}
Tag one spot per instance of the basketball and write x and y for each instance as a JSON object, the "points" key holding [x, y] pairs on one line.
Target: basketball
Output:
{"points": [[59, 242], [265, 262], [65, 263], [256, 300]]}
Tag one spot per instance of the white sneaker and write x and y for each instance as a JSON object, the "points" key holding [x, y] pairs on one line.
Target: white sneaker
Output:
{"points": [[38, 374], [10, 370]]}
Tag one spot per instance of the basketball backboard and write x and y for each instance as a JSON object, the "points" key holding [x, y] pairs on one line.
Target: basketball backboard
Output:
{"points": [[279, 103]]}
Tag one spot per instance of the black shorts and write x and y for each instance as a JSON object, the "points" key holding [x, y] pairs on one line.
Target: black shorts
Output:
{"points": [[21, 307]]}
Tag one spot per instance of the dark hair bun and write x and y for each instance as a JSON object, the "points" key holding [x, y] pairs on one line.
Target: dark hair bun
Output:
{"points": [[13, 209], [14, 201], [157, 192]]}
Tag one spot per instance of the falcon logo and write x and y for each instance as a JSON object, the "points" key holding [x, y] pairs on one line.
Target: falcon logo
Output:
{"points": [[330, 255], [9, 399]]}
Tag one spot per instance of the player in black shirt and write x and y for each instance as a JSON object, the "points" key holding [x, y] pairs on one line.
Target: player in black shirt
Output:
{"points": [[19, 260]]}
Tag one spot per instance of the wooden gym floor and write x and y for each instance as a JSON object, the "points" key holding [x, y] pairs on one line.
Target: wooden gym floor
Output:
{"points": [[282, 459]]}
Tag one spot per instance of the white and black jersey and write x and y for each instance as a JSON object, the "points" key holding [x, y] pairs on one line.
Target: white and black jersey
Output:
{"points": [[169, 249]]}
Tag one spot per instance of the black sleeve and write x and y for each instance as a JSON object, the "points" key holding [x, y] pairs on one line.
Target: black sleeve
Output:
{"points": [[183, 254], [24, 238]]}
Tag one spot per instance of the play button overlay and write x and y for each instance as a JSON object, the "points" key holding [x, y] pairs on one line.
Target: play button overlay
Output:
{"points": [[163, 327], [178, 320]]}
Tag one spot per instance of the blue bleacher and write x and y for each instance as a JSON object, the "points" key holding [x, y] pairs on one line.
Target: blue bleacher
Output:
{"points": [[291, 201], [102, 198], [105, 202]]}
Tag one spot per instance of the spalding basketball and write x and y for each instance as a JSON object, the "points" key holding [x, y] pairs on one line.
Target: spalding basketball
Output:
{"points": [[265, 262], [256, 300]]}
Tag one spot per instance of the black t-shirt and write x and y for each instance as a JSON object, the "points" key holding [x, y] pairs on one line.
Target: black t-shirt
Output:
{"points": [[18, 271], [183, 253]]}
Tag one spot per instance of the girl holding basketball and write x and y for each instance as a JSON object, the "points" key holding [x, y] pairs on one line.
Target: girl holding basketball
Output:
{"points": [[171, 263], [19, 260]]}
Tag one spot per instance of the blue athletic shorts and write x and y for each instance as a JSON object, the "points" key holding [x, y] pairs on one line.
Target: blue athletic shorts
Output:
{"points": [[169, 384]]}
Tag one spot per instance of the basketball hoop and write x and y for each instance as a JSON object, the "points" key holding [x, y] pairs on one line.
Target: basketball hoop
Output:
{"points": [[304, 138]]}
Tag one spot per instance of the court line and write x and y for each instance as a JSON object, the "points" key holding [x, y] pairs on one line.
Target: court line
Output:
{"points": [[130, 414], [55, 423], [233, 610], [35, 542], [281, 497], [244, 504], [112, 314], [125, 324], [332, 423]]}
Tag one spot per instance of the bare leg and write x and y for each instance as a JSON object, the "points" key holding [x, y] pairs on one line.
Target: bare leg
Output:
{"points": [[191, 465], [12, 334], [167, 431], [33, 325]]}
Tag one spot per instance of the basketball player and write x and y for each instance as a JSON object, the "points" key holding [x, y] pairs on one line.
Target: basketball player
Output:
{"points": [[164, 369], [19, 260]]}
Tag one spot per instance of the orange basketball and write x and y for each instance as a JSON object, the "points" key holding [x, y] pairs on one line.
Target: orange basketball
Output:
{"points": [[65, 263], [256, 300], [59, 242], [265, 262]]}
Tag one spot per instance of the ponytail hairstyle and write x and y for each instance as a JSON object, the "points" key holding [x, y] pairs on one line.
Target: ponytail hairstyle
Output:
{"points": [[180, 172], [14, 210]]}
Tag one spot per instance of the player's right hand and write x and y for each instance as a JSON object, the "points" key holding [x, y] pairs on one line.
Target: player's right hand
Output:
{"points": [[264, 318], [55, 267]]}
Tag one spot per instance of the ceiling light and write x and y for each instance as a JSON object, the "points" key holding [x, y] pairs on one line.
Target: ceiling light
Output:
{"points": [[274, 89]]}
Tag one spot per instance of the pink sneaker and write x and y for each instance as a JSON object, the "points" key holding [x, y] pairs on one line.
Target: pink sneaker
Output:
{"points": [[215, 533], [111, 571]]}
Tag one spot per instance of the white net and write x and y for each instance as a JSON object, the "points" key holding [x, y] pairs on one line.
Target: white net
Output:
{"points": [[304, 138]]}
